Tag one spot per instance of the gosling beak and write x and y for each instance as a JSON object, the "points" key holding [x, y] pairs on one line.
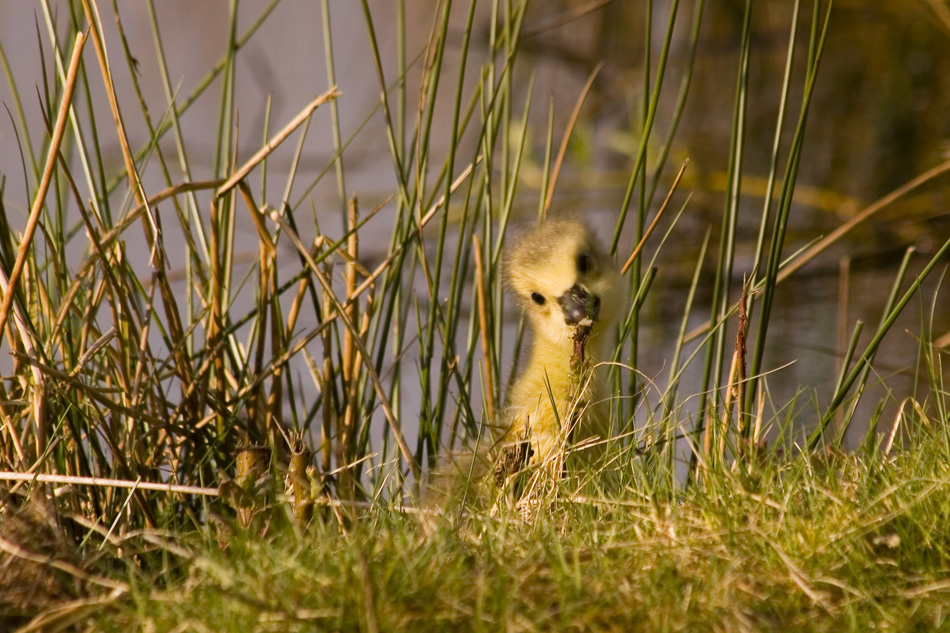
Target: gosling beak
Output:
{"points": [[579, 306]]}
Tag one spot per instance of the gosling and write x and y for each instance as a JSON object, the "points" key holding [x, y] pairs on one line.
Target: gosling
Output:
{"points": [[572, 295]]}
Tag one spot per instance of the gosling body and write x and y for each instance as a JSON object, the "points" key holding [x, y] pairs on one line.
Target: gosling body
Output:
{"points": [[572, 295]]}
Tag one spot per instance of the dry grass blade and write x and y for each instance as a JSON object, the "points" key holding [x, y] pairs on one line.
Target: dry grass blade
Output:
{"points": [[862, 217], [257, 218], [567, 136], [278, 138], [659, 214]]}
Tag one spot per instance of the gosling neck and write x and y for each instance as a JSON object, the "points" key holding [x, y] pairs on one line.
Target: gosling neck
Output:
{"points": [[557, 356]]}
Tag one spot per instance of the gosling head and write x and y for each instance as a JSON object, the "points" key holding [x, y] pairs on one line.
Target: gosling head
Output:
{"points": [[566, 284]]}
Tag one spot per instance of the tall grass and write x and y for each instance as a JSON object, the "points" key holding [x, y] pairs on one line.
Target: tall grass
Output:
{"points": [[119, 372]]}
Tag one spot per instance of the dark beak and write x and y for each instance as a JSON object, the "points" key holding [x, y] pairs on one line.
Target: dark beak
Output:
{"points": [[578, 305]]}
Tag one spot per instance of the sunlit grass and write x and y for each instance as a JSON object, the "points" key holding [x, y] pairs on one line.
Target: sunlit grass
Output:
{"points": [[813, 543]]}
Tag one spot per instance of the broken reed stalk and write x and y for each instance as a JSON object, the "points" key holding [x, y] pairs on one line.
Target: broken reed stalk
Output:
{"points": [[257, 218], [301, 459], [252, 464]]}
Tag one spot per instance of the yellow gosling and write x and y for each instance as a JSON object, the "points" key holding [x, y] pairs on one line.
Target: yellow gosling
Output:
{"points": [[572, 294]]}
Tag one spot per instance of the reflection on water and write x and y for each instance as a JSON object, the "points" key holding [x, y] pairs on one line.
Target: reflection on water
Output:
{"points": [[878, 119]]}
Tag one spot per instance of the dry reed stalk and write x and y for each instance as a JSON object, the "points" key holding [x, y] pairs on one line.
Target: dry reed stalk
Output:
{"points": [[329, 391], [351, 360], [759, 412], [483, 328], [708, 425], [103, 482], [738, 385], [889, 443], [261, 413], [274, 422], [51, 156], [297, 304], [727, 408], [870, 210], [257, 219], [215, 321], [108, 483], [942, 341], [91, 9]]}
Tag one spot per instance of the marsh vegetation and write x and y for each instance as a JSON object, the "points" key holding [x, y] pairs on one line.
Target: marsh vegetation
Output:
{"points": [[243, 324]]}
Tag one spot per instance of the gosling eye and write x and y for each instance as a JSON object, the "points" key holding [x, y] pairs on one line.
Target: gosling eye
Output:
{"points": [[584, 263], [538, 298]]}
